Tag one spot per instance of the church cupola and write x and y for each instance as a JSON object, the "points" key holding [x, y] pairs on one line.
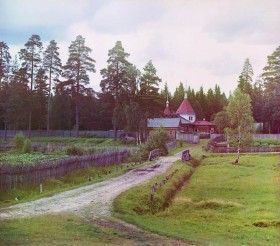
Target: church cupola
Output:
{"points": [[167, 112]]}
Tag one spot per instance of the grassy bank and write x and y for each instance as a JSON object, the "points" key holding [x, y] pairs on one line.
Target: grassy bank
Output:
{"points": [[222, 204]]}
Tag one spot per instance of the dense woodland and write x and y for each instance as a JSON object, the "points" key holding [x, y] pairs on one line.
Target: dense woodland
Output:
{"points": [[38, 92]]}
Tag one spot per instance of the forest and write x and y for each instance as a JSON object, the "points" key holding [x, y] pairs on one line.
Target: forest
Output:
{"points": [[38, 92]]}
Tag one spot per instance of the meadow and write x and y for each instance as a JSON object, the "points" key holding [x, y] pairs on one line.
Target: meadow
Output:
{"points": [[222, 204]]}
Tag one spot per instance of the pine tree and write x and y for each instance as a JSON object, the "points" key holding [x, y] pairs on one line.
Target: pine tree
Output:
{"points": [[150, 99], [78, 65], [52, 65], [116, 80], [5, 58], [271, 78], [31, 60], [40, 95], [178, 96], [245, 78], [149, 81]]}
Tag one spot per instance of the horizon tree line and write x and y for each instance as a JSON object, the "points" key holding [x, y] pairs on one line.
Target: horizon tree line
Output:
{"points": [[37, 92]]}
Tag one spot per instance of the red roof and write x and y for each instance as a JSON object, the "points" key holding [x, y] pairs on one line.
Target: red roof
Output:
{"points": [[167, 111], [203, 123], [185, 108]]}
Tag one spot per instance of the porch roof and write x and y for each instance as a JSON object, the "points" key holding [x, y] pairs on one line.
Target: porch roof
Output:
{"points": [[164, 122]]}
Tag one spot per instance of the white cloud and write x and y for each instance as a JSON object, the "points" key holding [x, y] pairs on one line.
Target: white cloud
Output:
{"points": [[203, 42]]}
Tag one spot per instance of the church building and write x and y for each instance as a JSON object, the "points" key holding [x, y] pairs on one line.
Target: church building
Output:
{"points": [[181, 123]]}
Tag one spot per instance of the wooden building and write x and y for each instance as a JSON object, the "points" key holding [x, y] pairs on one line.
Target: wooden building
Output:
{"points": [[184, 121]]}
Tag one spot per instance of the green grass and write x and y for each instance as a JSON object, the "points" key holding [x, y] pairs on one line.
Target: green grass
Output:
{"points": [[223, 204], [58, 229]]}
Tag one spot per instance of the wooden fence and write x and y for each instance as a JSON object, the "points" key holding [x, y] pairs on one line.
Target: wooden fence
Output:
{"points": [[256, 136], [271, 136], [244, 150], [12, 176], [59, 133], [171, 145], [188, 137]]}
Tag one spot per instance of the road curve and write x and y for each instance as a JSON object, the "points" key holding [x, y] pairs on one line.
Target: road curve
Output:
{"points": [[95, 199]]}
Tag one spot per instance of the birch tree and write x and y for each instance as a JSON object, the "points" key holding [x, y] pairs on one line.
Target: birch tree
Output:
{"points": [[241, 121]]}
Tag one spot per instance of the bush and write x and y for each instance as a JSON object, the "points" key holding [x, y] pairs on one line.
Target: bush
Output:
{"points": [[19, 141], [27, 146], [157, 139], [88, 135], [74, 150], [181, 142]]}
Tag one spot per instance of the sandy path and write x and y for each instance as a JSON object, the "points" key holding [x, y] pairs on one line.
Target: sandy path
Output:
{"points": [[95, 199]]}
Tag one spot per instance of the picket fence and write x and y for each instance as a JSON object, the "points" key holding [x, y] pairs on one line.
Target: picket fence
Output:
{"points": [[59, 133], [256, 136], [12, 176], [245, 150]]}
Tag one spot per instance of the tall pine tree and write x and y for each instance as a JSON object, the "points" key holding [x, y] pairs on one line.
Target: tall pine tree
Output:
{"points": [[78, 65], [52, 65], [31, 61]]}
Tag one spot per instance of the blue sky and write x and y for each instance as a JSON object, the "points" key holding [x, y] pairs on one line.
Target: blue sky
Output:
{"points": [[203, 42]]}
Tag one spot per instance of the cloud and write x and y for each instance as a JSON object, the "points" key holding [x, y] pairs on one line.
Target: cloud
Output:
{"points": [[48, 18], [203, 42], [120, 17], [251, 21]]}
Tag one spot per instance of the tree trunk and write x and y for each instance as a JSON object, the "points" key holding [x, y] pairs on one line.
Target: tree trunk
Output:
{"points": [[29, 123], [49, 104], [5, 134], [77, 119], [238, 146], [31, 98]]}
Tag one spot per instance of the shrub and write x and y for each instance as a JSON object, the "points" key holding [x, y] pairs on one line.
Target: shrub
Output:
{"points": [[88, 135], [181, 142], [19, 141], [157, 139], [27, 146], [74, 150]]}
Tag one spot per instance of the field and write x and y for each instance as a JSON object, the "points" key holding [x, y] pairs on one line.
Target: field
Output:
{"points": [[220, 204], [29, 158], [223, 204]]}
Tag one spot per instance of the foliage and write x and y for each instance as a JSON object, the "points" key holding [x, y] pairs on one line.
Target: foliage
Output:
{"points": [[5, 58], [181, 142], [28, 158], [27, 146], [245, 79], [76, 70], [74, 150], [157, 139], [19, 141], [52, 64], [266, 142], [221, 121], [240, 130]]}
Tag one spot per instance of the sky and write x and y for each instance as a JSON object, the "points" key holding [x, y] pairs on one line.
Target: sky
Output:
{"points": [[196, 42]]}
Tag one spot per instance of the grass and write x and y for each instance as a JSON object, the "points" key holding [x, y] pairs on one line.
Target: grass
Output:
{"points": [[223, 204], [58, 229]]}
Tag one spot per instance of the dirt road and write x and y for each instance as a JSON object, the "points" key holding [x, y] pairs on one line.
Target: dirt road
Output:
{"points": [[95, 199]]}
